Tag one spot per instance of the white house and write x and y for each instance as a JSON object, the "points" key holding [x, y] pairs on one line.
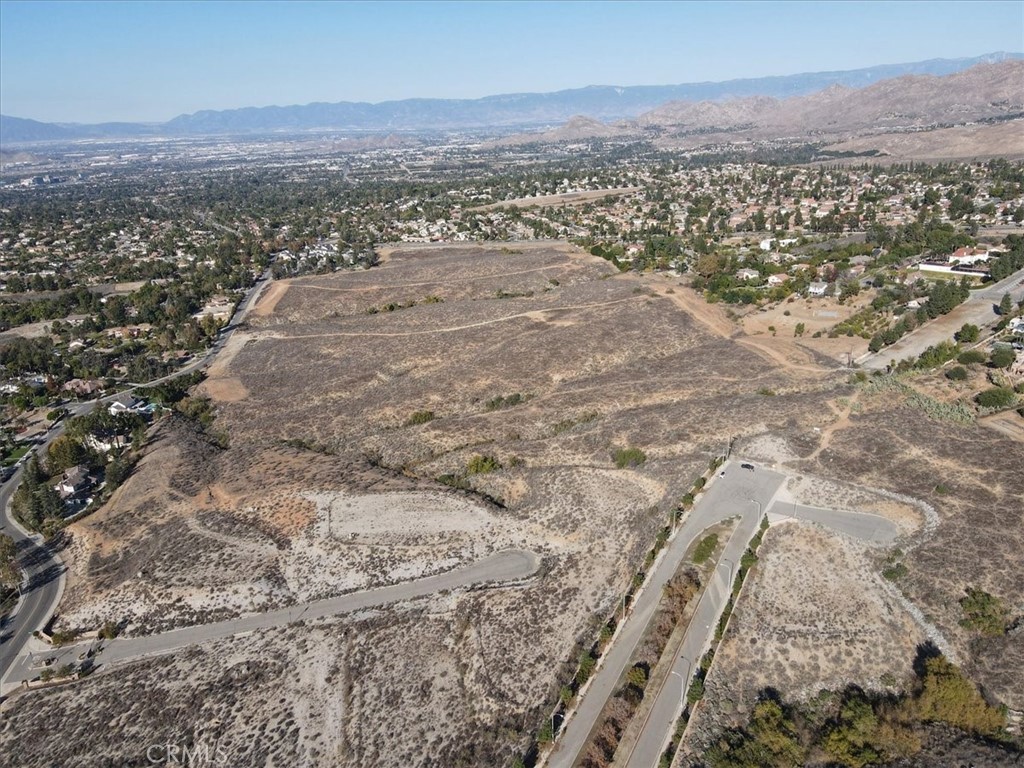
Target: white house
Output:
{"points": [[73, 481], [747, 274], [817, 288], [123, 403]]}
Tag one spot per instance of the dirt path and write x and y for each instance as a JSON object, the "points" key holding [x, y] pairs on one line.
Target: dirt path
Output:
{"points": [[711, 316], [532, 314], [780, 352], [220, 385], [266, 303], [1006, 423], [842, 422], [378, 286]]}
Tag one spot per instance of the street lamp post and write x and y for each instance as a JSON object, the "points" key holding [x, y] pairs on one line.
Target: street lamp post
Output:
{"points": [[682, 685], [758, 507], [731, 566]]}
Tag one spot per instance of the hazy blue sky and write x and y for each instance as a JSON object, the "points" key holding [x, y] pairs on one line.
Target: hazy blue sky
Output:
{"points": [[89, 62]]}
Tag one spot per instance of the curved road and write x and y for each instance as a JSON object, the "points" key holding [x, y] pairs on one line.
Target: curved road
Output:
{"points": [[503, 567], [43, 571], [668, 704], [738, 493]]}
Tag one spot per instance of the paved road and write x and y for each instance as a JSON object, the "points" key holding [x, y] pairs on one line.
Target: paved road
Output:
{"points": [[740, 493], [860, 525], [44, 571], [507, 566], [978, 310], [668, 705]]}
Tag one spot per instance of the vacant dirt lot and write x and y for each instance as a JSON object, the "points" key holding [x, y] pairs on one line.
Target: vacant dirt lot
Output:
{"points": [[351, 395], [815, 614]]}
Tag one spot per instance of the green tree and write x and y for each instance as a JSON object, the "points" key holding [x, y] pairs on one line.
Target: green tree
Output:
{"points": [[770, 740], [65, 452], [968, 333], [947, 696], [1006, 305]]}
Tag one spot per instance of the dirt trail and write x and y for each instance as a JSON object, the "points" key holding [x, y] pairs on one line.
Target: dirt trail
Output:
{"points": [[781, 352], [842, 422], [711, 316], [220, 385], [1007, 423], [266, 303], [532, 315], [440, 280]]}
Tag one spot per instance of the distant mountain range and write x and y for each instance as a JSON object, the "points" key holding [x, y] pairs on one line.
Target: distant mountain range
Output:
{"points": [[602, 103], [985, 92]]}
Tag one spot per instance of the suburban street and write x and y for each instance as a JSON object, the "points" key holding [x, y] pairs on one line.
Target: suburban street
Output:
{"points": [[503, 567], [977, 310], [43, 583], [740, 493]]}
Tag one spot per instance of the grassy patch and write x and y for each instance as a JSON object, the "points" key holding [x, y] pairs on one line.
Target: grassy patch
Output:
{"points": [[420, 417], [628, 457], [481, 465], [705, 548]]}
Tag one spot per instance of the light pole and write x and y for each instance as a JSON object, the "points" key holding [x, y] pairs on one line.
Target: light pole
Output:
{"points": [[758, 507], [731, 565], [682, 685], [683, 680]]}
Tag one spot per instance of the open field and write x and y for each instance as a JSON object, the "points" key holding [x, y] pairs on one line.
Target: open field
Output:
{"points": [[346, 397], [328, 484], [818, 616]]}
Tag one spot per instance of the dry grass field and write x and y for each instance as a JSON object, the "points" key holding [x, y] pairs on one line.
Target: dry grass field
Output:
{"points": [[349, 395], [815, 614]]}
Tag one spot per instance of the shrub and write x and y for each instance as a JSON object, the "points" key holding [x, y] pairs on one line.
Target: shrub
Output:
{"points": [[628, 457], [983, 612], [895, 572], [503, 401], [64, 637], [968, 333], [956, 373], [1002, 358], [420, 417], [480, 465], [971, 357], [705, 548], [997, 397]]}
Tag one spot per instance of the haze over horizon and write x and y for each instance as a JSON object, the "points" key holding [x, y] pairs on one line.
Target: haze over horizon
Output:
{"points": [[149, 62]]}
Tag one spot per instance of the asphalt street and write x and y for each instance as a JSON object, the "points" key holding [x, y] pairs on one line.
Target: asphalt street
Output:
{"points": [[44, 572], [668, 706], [503, 567], [977, 310], [739, 493]]}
